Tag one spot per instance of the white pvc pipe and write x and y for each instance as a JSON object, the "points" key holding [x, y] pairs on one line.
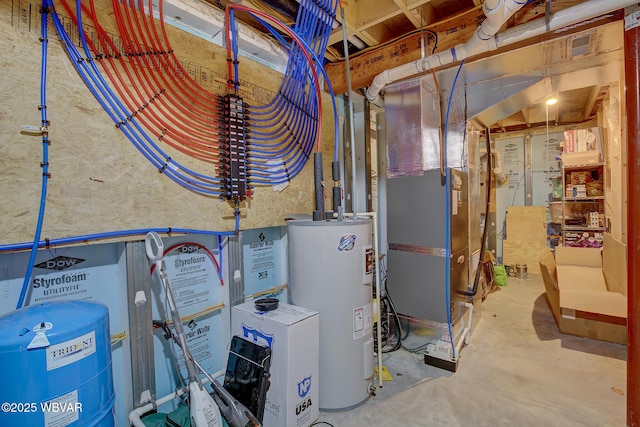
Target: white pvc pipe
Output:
{"points": [[496, 16], [469, 305], [496, 10], [466, 332], [498, 170]]}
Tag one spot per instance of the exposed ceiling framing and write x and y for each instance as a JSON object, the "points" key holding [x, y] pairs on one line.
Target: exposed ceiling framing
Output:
{"points": [[383, 34]]}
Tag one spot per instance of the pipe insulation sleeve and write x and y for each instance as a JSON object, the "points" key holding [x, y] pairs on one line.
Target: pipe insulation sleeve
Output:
{"points": [[337, 198]]}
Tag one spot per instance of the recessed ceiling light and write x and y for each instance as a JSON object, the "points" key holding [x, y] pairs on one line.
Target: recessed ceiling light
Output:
{"points": [[552, 101]]}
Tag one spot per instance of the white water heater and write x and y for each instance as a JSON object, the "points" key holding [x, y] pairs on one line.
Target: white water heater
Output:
{"points": [[331, 272]]}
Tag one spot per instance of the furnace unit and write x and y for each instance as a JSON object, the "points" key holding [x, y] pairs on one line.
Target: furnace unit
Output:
{"points": [[428, 265]]}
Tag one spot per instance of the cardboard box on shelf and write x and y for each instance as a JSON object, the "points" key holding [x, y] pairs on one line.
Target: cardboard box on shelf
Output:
{"points": [[581, 140], [583, 239], [581, 177], [555, 211], [569, 145], [586, 289], [582, 147], [292, 332], [584, 158]]}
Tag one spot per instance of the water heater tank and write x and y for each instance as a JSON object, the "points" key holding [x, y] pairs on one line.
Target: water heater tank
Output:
{"points": [[56, 366], [330, 271]]}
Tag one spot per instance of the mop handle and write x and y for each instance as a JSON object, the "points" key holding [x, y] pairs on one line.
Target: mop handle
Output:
{"points": [[152, 241], [156, 255]]}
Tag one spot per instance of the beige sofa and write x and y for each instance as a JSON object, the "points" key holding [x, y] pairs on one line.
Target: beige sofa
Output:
{"points": [[587, 289]]}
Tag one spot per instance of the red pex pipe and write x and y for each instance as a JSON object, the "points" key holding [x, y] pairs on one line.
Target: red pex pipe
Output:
{"points": [[198, 125], [134, 43], [185, 141], [198, 142], [206, 104], [208, 99]]}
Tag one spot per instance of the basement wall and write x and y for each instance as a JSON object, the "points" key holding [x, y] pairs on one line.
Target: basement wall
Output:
{"points": [[99, 181]]}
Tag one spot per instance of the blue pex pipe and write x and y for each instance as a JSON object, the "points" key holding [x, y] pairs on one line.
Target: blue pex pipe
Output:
{"points": [[448, 212], [15, 247], [45, 156], [324, 73], [294, 107]]}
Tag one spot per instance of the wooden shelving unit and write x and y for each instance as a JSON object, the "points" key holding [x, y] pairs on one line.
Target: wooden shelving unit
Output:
{"points": [[583, 205]]}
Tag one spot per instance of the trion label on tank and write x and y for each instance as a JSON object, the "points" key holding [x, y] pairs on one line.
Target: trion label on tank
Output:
{"points": [[62, 410], [71, 351]]}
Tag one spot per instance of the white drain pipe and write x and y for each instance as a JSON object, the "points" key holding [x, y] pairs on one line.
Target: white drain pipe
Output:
{"points": [[486, 39], [497, 12]]}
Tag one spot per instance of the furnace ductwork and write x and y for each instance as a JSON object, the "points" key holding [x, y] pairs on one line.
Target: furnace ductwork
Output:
{"points": [[486, 37]]}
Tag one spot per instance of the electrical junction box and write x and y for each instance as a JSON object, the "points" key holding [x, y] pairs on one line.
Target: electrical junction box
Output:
{"points": [[292, 333]]}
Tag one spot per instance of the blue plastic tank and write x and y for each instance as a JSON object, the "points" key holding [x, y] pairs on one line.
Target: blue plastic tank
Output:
{"points": [[55, 366]]}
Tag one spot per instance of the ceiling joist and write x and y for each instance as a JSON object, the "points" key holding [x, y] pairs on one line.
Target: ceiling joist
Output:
{"points": [[591, 101], [450, 32]]}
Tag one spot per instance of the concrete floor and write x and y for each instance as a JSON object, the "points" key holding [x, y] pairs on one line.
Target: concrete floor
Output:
{"points": [[517, 370]]}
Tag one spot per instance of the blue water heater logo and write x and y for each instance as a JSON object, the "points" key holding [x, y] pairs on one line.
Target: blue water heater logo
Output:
{"points": [[304, 386], [347, 242], [257, 336]]}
